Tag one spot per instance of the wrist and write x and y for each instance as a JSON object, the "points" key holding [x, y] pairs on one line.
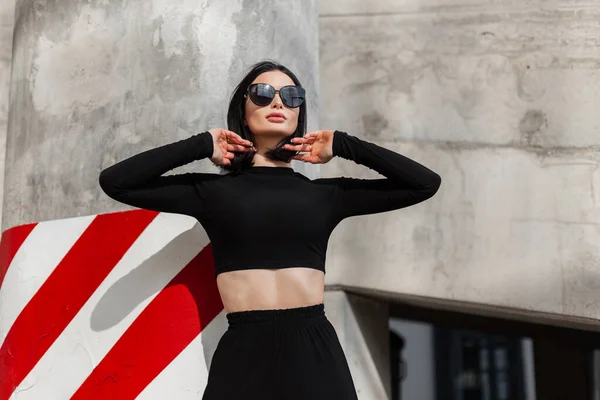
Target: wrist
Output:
{"points": [[204, 144], [337, 146]]}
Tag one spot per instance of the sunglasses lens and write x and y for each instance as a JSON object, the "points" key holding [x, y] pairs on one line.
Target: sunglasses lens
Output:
{"points": [[261, 94], [292, 96]]}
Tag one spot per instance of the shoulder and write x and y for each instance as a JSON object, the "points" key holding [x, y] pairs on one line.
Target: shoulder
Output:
{"points": [[206, 176], [199, 179], [332, 181]]}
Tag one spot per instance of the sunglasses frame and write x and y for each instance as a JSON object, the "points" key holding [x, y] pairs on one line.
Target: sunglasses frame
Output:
{"points": [[247, 94]]}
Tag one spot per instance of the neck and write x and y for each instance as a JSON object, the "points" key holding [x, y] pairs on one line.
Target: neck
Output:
{"points": [[261, 161], [262, 143]]}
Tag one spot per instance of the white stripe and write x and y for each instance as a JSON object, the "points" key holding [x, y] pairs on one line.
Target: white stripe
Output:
{"points": [[38, 256], [185, 378], [169, 243]]}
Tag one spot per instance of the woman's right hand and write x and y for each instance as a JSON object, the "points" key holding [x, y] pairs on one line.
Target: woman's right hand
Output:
{"points": [[225, 143]]}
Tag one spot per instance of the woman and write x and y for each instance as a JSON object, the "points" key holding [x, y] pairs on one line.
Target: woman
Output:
{"points": [[269, 227]]}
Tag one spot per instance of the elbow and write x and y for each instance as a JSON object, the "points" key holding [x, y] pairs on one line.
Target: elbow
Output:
{"points": [[104, 181], [436, 182], [107, 184], [432, 185]]}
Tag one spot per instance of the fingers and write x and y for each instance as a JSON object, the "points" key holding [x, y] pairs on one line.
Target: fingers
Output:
{"points": [[301, 144], [229, 154], [312, 135], [305, 158], [232, 149], [233, 137], [238, 147], [298, 147], [304, 139]]}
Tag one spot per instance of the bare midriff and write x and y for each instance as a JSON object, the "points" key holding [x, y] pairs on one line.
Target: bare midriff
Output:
{"points": [[265, 289]]}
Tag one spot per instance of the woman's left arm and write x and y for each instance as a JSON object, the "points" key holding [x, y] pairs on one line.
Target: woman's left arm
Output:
{"points": [[406, 182]]}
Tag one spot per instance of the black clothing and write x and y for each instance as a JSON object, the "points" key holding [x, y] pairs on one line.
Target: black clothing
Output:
{"points": [[291, 354], [267, 217]]}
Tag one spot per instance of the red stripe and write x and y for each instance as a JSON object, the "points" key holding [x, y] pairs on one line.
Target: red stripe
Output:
{"points": [[161, 332], [65, 291], [11, 241]]}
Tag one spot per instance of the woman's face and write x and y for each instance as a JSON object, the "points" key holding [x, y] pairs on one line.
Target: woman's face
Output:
{"points": [[257, 116]]}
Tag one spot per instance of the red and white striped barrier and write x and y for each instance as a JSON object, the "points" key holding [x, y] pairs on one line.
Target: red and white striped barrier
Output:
{"points": [[113, 306]]}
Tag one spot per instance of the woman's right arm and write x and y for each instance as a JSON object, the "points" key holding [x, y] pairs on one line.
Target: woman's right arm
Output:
{"points": [[138, 180]]}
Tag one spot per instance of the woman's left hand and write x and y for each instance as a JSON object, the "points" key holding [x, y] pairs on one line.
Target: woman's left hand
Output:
{"points": [[317, 146]]}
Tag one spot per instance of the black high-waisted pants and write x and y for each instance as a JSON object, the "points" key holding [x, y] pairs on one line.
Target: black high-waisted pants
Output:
{"points": [[282, 354]]}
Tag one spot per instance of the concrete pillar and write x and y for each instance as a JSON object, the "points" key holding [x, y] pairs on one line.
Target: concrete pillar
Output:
{"points": [[7, 13], [95, 82], [362, 327]]}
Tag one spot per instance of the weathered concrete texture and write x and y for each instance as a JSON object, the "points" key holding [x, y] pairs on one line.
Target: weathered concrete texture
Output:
{"points": [[455, 74], [7, 14], [362, 328], [504, 108], [356, 7], [508, 228], [98, 81]]}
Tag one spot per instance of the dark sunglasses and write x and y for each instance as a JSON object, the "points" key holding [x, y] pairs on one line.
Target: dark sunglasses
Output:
{"points": [[262, 94]]}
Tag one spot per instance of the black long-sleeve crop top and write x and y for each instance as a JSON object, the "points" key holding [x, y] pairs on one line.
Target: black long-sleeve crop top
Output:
{"points": [[267, 217]]}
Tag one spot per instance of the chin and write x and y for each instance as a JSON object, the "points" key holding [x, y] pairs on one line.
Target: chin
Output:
{"points": [[273, 130]]}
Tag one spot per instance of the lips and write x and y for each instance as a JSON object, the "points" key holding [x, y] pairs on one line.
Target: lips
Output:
{"points": [[276, 116]]}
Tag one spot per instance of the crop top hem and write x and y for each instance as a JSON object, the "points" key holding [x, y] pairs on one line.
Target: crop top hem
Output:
{"points": [[318, 265]]}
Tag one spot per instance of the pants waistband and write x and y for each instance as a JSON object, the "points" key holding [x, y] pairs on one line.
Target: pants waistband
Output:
{"points": [[279, 316]]}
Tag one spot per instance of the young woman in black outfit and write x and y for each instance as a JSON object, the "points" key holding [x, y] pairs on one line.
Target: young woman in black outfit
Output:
{"points": [[269, 227]]}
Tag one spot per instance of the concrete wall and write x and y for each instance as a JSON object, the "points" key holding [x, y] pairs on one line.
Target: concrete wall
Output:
{"points": [[7, 15], [97, 82], [499, 97], [361, 325]]}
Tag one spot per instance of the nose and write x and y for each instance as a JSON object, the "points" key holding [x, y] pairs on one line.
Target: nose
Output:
{"points": [[277, 100]]}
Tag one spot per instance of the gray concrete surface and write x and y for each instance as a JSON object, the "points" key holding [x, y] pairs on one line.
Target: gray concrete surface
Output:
{"points": [[97, 82], [501, 99], [362, 328], [7, 14]]}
